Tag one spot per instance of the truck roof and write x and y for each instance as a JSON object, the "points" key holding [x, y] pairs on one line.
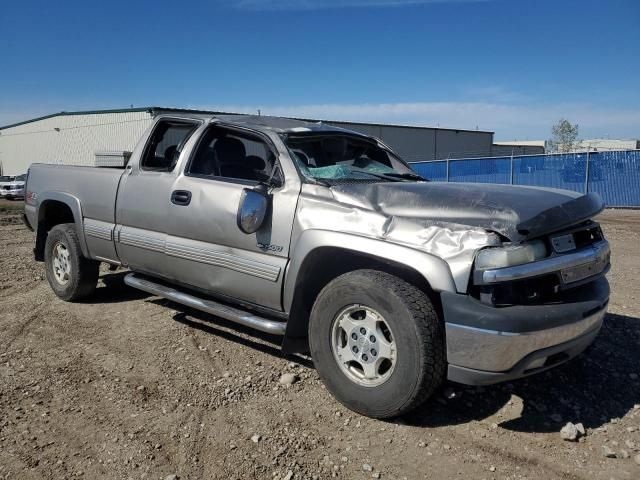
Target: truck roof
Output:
{"points": [[269, 123]]}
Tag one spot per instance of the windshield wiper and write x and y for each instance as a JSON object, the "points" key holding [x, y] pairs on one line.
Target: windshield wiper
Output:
{"points": [[383, 176], [409, 176]]}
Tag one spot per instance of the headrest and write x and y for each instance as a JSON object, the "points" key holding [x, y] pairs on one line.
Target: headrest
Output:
{"points": [[255, 163], [335, 146], [170, 152], [229, 150]]}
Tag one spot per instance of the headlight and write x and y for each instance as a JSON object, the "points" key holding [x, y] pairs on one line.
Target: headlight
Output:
{"points": [[511, 255]]}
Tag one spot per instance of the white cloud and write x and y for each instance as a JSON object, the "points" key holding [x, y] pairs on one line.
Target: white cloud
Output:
{"points": [[509, 121], [262, 5]]}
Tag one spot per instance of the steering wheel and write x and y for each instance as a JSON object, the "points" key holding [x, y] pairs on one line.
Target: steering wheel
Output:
{"points": [[302, 156]]}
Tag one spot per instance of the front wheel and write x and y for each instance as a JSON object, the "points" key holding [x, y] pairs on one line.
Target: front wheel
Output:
{"points": [[70, 275], [377, 343]]}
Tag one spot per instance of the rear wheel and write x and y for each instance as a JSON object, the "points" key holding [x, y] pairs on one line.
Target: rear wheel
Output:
{"points": [[377, 343], [70, 275]]}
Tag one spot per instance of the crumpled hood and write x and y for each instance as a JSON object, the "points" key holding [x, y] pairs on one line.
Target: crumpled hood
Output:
{"points": [[513, 211]]}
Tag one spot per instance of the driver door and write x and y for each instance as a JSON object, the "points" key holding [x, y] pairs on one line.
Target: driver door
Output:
{"points": [[205, 248]]}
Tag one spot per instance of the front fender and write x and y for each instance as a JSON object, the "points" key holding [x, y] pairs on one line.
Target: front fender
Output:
{"points": [[434, 270]]}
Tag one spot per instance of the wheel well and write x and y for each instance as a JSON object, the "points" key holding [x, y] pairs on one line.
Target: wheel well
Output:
{"points": [[323, 265], [50, 214]]}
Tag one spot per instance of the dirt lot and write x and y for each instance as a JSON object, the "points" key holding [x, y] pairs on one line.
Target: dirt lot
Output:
{"points": [[132, 386]]}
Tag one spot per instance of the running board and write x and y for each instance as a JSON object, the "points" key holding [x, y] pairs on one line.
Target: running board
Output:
{"points": [[214, 308]]}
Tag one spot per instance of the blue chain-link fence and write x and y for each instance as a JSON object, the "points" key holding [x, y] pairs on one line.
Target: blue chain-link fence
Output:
{"points": [[614, 175]]}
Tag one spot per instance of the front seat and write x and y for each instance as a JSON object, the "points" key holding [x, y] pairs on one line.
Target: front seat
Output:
{"points": [[257, 165], [206, 163], [232, 159], [171, 157]]}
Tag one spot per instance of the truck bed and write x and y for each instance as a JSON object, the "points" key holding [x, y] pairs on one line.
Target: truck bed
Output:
{"points": [[94, 188]]}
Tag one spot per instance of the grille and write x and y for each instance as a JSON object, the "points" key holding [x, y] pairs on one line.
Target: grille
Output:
{"points": [[577, 238], [588, 236]]}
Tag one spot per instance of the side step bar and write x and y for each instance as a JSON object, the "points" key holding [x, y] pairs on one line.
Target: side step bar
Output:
{"points": [[214, 308]]}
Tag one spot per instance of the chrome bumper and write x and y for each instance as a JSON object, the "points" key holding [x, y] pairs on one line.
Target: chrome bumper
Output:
{"points": [[498, 351], [12, 193], [487, 344], [591, 260]]}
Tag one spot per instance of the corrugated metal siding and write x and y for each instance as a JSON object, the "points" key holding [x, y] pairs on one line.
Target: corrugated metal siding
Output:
{"points": [[411, 144], [500, 150], [76, 142], [415, 144], [462, 143]]}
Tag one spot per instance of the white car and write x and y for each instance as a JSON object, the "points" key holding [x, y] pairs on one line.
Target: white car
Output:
{"points": [[12, 186]]}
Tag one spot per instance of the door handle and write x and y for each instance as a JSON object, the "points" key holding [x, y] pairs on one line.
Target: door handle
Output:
{"points": [[181, 197]]}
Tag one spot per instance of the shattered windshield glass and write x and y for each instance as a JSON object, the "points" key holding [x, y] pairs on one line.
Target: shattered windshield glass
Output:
{"points": [[332, 156]]}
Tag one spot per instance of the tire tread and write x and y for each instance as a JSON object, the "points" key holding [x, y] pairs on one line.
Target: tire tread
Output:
{"points": [[429, 329], [85, 278]]}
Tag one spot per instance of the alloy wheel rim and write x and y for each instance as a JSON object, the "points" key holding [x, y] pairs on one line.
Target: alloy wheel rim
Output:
{"points": [[363, 345], [61, 264]]}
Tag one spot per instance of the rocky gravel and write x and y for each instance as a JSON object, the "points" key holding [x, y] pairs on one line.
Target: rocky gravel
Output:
{"points": [[128, 385]]}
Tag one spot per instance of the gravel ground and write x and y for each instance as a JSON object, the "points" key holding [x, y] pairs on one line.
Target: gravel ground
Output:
{"points": [[132, 386]]}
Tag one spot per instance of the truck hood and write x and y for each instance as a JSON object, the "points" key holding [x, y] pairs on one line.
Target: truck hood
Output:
{"points": [[516, 212]]}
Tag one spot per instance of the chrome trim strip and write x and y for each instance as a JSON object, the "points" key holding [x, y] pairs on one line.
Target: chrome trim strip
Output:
{"points": [[140, 241], [202, 255], [224, 311], [496, 351], [223, 259], [102, 232], [545, 266]]}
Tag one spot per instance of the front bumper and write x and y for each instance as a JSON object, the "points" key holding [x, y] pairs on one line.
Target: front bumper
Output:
{"points": [[12, 193], [487, 344]]}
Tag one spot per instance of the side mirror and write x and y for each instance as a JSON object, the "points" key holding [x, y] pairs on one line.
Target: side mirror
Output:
{"points": [[254, 203]]}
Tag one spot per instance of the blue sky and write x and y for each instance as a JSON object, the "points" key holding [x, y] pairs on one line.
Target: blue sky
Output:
{"points": [[512, 66]]}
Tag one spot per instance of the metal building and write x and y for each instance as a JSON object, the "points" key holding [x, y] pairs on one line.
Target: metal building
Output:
{"points": [[608, 144], [416, 144], [74, 138], [524, 147]]}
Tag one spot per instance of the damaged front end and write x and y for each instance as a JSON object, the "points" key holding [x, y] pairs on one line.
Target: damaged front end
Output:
{"points": [[475, 229], [506, 261], [321, 208], [542, 269]]}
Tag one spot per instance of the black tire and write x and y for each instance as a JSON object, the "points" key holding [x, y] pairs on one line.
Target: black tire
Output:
{"points": [[83, 273], [419, 339]]}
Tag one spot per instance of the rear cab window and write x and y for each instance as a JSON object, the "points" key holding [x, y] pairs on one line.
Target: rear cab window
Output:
{"points": [[165, 144]]}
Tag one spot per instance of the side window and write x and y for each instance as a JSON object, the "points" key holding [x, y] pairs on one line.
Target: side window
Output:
{"points": [[234, 155], [165, 145]]}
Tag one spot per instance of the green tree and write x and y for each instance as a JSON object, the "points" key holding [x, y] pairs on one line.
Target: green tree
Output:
{"points": [[564, 136]]}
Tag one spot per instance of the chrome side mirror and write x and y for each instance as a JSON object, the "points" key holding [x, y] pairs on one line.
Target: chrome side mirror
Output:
{"points": [[254, 204]]}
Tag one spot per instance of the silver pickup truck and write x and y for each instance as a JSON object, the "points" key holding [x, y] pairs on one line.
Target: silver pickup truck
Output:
{"points": [[12, 187], [325, 237]]}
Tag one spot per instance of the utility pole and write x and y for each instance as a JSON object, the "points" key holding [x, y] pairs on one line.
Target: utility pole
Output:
{"points": [[586, 172]]}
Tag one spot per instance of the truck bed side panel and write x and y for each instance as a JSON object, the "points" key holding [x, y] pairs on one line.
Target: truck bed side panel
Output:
{"points": [[94, 189]]}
